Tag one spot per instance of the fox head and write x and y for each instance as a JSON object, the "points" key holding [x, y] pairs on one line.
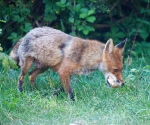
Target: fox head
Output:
{"points": [[111, 64]]}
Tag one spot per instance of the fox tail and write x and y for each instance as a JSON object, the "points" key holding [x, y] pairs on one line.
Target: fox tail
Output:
{"points": [[14, 52]]}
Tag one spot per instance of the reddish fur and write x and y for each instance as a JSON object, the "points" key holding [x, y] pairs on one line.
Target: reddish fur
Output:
{"points": [[115, 62], [47, 47]]}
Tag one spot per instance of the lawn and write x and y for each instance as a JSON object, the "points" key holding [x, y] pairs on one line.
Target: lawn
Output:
{"points": [[96, 103]]}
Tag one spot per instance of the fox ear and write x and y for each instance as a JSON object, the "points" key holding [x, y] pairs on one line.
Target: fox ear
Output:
{"points": [[109, 47], [121, 44]]}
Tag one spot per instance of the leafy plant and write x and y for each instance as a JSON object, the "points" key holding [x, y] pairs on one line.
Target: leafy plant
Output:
{"points": [[6, 61], [135, 75], [115, 33], [80, 17], [142, 49], [94, 19]]}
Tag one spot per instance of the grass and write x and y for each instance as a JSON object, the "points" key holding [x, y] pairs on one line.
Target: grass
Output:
{"points": [[96, 104]]}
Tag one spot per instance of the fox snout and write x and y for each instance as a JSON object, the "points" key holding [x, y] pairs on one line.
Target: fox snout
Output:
{"points": [[121, 81], [114, 83]]}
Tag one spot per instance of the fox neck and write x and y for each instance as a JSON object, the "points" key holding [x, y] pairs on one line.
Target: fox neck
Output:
{"points": [[91, 58]]}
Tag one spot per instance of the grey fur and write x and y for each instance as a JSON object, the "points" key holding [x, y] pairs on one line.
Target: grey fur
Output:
{"points": [[39, 44]]}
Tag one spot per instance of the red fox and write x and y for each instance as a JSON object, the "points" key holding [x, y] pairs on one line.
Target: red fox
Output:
{"points": [[67, 55]]}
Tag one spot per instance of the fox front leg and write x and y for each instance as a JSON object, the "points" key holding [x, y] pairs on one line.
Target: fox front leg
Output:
{"points": [[65, 80]]}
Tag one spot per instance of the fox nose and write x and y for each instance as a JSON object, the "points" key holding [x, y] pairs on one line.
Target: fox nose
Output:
{"points": [[122, 84]]}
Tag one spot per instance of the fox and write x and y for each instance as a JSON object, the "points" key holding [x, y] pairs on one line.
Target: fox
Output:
{"points": [[47, 47]]}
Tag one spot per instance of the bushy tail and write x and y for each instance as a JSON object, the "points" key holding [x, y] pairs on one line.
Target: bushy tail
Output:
{"points": [[14, 53]]}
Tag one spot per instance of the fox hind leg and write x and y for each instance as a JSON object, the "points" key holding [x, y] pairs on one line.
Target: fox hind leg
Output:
{"points": [[26, 64], [35, 72]]}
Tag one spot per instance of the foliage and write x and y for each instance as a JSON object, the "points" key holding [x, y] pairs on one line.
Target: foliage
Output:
{"points": [[136, 73], [115, 33], [87, 19], [79, 17], [6, 60]]}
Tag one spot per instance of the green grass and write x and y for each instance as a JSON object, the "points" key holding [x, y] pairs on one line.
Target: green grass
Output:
{"points": [[96, 104]]}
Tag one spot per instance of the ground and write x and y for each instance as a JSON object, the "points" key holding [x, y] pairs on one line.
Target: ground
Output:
{"points": [[96, 103]]}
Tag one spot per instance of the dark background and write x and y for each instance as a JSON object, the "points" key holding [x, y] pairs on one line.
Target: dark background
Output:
{"points": [[92, 19]]}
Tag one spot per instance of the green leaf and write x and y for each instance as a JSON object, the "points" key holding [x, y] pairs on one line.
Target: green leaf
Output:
{"points": [[3, 21], [63, 1], [13, 35], [80, 27], [131, 77], [87, 29], [90, 28], [144, 35], [12, 63], [147, 67], [62, 26], [5, 64], [91, 19], [120, 35], [27, 27], [143, 21], [2, 55], [50, 17], [0, 31], [71, 19], [18, 19], [58, 3], [77, 7], [145, 11], [85, 32], [83, 15], [114, 30], [84, 10], [134, 70], [90, 12], [1, 49]]}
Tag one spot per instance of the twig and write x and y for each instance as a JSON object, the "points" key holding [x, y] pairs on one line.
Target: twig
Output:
{"points": [[37, 23], [73, 31], [134, 39], [107, 26]]}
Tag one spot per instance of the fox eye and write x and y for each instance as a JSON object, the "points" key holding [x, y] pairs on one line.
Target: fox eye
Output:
{"points": [[116, 70]]}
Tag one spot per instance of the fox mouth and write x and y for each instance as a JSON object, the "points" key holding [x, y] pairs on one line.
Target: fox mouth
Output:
{"points": [[111, 83], [108, 83]]}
